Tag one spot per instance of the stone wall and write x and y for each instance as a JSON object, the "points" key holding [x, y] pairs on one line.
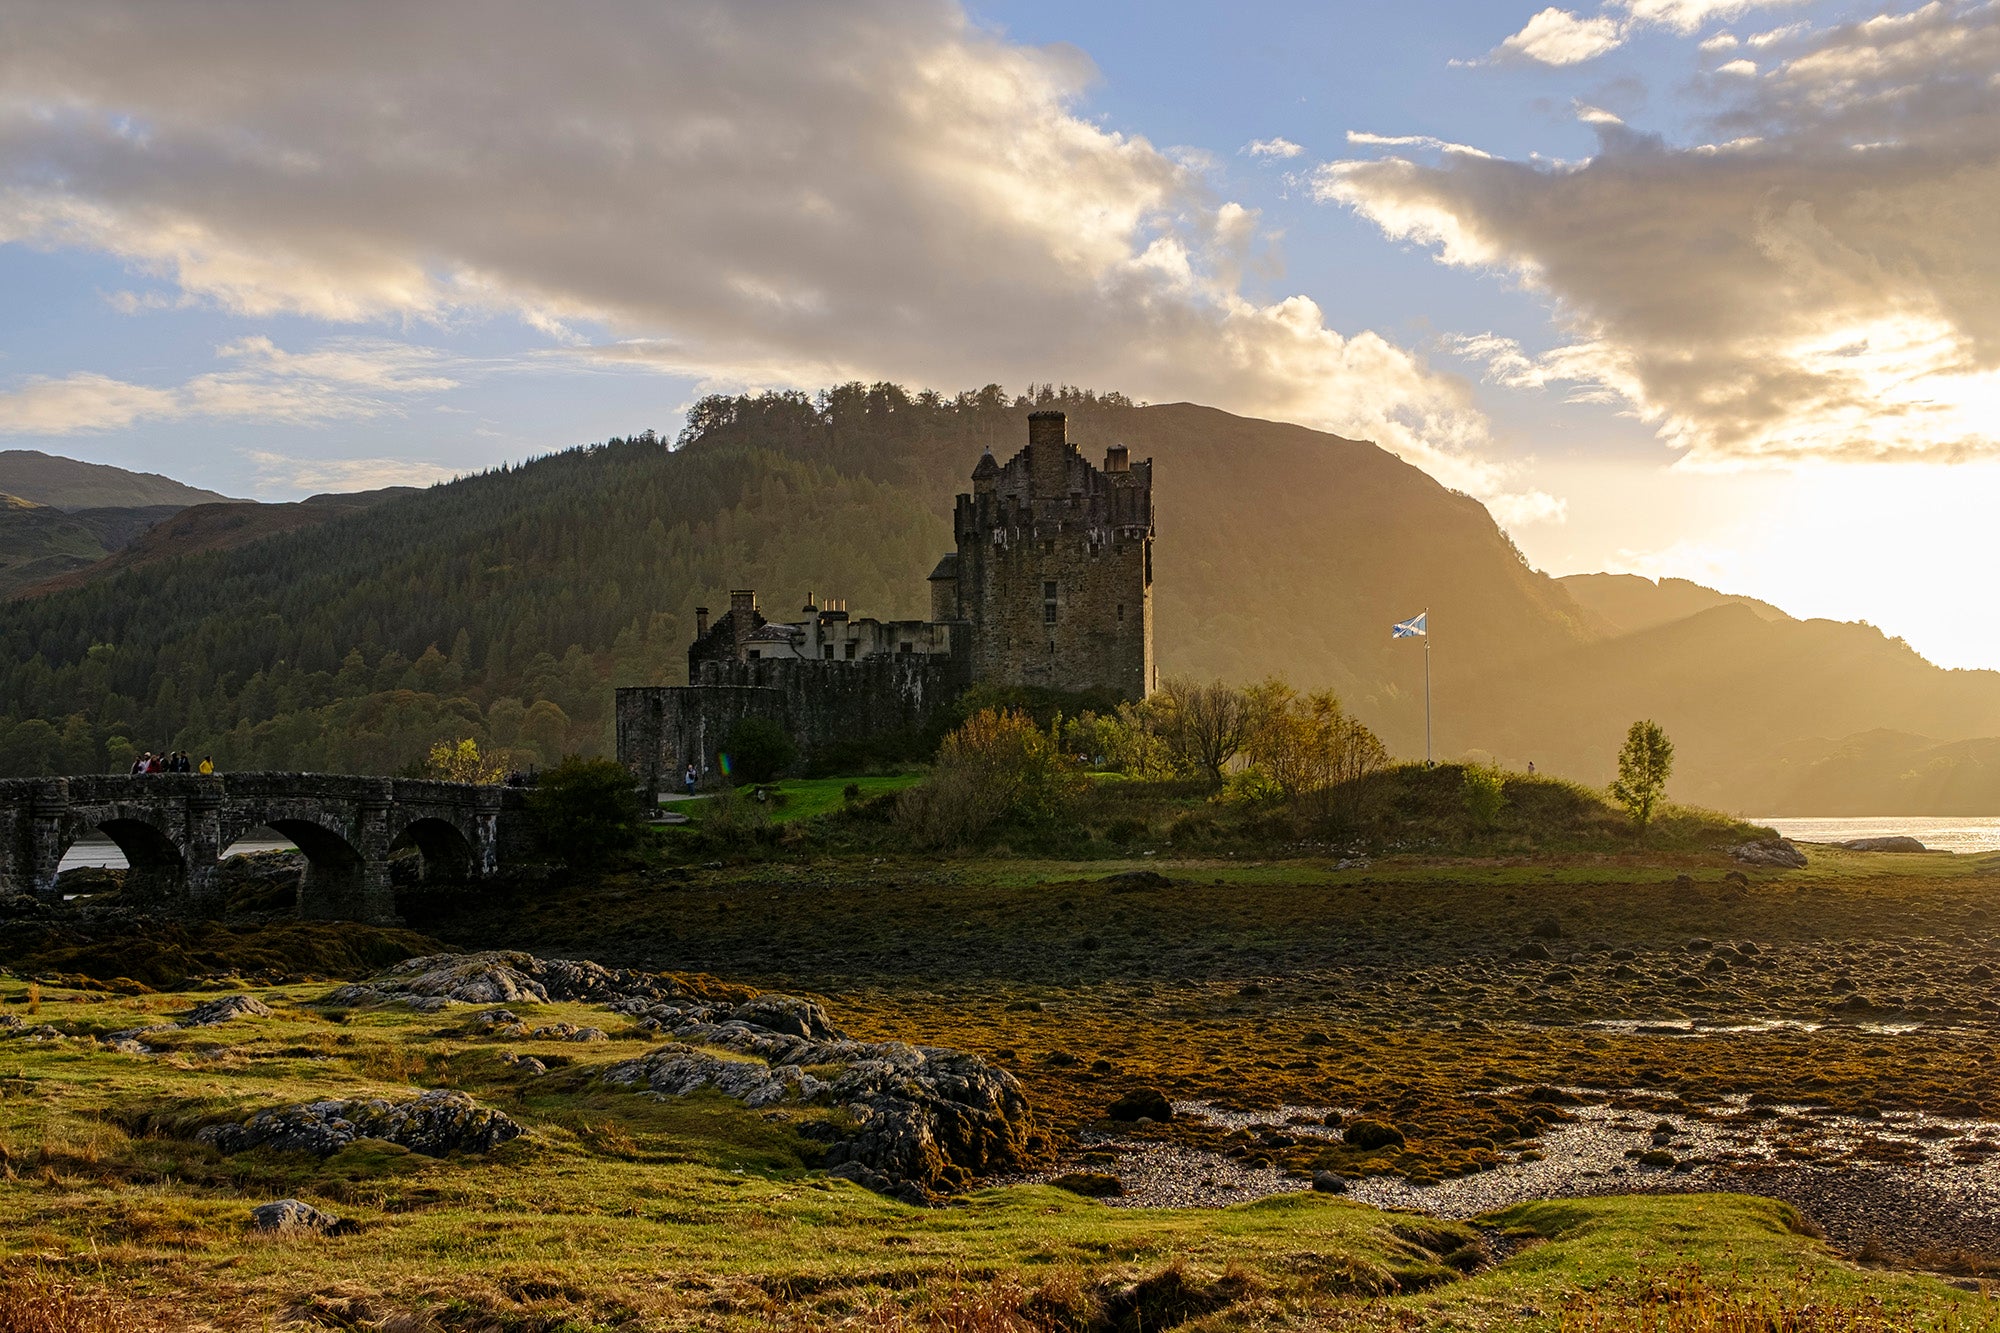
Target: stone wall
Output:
{"points": [[661, 729]]}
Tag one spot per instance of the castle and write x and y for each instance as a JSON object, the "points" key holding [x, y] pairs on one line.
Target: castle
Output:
{"points": [[1051, 585]]}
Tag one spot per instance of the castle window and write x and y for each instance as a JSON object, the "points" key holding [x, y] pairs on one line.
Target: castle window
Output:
{"points": [[826, 651], [906, 647], [850, 651], [754, 654], [1121, 610], [1048, 603]]}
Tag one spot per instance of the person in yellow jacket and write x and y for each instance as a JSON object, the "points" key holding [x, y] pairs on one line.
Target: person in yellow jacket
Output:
{"points": [[207, 765]]}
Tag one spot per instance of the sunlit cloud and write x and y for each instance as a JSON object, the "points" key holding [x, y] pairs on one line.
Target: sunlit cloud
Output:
{"points": [[781, 194], [1272, 148], [1817, 282], [1563, 37]]}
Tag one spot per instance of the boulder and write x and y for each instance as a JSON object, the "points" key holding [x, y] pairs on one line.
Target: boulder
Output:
{"points": [[920, 1118], [1325, 1182], [435, 1124], [223, 1008], [1141, 1104], [1372, 1134], [501, 976], [1534, 951], [1548, 928], [1886, 844], [785, 1013], [1776, 853], [292, 1215]]}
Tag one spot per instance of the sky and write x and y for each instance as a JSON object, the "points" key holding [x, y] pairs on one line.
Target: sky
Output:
{"points": [[1700, 288]]}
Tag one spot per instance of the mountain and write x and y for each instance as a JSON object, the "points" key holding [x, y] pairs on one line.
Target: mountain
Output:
{"points": [[171, 533], [66, 483], [506, 606], [1630, 602], [39, 541]]}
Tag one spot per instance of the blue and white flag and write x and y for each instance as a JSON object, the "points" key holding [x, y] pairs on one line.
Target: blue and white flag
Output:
{"points": [[1414, 628]]}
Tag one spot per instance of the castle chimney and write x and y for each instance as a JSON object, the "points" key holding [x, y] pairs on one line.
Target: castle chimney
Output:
{"points": [[1047, 428], [1048, 450], [1117, 459], [701, 622], [742, 614]]}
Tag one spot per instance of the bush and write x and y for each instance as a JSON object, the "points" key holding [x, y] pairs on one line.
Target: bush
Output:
{"points": [[998, 766], [757, 750], [1485, 794], [588, 810]]}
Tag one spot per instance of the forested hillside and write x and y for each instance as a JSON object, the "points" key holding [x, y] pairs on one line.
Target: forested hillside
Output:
{"points": [[507, 606]]}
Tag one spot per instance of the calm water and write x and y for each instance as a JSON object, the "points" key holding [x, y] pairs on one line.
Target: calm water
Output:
{"points": [[1963, 833], [104, 852]]}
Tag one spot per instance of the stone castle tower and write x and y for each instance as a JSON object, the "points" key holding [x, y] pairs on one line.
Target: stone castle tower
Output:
{"points": [[1054, 567]]}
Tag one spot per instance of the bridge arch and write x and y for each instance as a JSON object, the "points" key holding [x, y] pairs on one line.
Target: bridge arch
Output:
{"points": [[449, 852], [156, 864], [336, 882]]}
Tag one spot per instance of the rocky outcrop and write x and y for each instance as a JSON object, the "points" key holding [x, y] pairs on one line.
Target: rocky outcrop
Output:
{"points": [[294, 1215], [919, 1120], [1896, 843], [223, 1008], [1775, 853], [435, 1124], [437, 981]]}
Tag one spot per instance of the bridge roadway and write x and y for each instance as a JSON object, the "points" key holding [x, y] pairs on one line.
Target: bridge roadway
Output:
{"points": [[173, 829]]}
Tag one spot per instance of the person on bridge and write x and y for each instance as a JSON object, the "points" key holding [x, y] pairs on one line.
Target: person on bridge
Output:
{"points": [[207, 765], [143, 764]]}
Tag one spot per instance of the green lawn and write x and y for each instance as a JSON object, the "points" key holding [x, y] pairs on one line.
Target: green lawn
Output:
{"points": [[804, 798]]}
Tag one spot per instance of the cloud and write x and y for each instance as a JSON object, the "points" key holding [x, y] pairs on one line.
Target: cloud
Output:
{"points": [[1412, 141], [1272, 148], [1775, 295], [780, 193], [1558, 37], [1562, 37], [343, 379], [283, 474]]}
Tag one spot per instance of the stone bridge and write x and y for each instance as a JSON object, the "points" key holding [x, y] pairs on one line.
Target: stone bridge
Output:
{"points": [[173, 829]]}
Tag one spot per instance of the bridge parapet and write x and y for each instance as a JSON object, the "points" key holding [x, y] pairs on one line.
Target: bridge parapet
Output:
{"points": [[174, 827]]}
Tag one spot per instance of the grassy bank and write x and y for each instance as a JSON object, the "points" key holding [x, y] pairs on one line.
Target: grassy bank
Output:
{"points": [[617, 1211]]}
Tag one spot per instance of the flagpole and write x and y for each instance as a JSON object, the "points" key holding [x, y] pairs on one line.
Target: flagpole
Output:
{"points": [[1427, 687]]}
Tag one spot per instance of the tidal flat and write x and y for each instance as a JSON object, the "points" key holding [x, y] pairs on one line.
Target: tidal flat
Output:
{"points": [[1617, 1092]]}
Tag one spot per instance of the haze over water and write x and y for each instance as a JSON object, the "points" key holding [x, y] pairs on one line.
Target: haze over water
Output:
{"points": [[1946, 833]]}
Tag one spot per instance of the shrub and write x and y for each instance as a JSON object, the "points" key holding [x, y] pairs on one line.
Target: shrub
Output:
{"points": [[757, 750], [998, 766], [1484, 791], [1309, 745], [588, 810], [460, 761]]}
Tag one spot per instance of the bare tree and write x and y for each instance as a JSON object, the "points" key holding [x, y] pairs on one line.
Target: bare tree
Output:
{"points": [[1204, 726]]}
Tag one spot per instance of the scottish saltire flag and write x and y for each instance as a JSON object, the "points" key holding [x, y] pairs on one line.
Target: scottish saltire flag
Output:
{"points": [[1414, 628]]}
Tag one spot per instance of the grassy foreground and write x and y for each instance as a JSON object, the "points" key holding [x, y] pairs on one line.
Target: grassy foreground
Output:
{"points": [[618, 1211]]}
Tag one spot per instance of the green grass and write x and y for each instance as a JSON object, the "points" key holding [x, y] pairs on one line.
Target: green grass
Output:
{"points": [[808, 798], [620, 1211]]}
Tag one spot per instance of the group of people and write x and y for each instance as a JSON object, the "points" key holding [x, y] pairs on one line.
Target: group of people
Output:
{"points": [[175, 762]]}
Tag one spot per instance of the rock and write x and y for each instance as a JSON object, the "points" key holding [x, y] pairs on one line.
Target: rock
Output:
{"points": [[1888, 844], [223, 1008], [436, 1124], [1534, 951], [1141, 1104], [1090, 1184], [1137, 881], [84, 881], [1325, 1182], [501, 1024], [1548, 928], [291, 1215], [787, 1014], [1368, 1134], [1684, 883], [569, 1032], [508, 977], [922, 1116], [527, 1064], [1777, 853]]}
